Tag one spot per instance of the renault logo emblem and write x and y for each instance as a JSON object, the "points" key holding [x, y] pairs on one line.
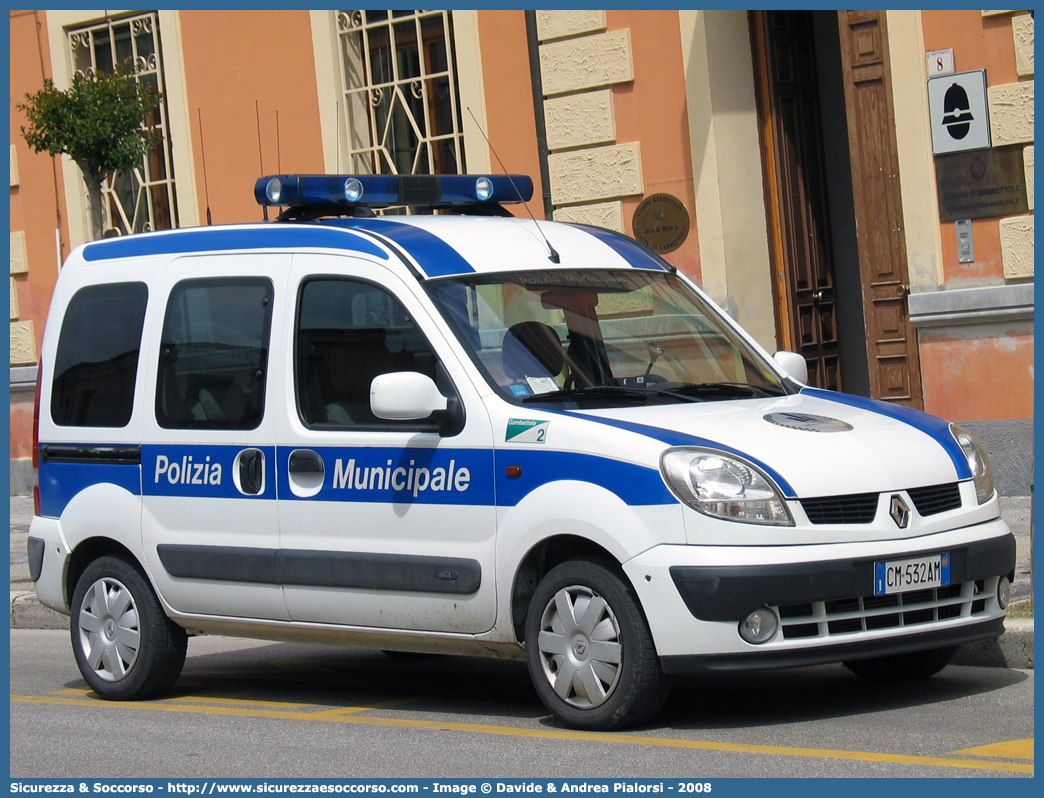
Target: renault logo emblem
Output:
{"points": [[899, 511]]}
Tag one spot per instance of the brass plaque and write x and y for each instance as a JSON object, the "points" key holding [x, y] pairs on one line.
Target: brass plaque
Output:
{"points": [[981, 183], [661, 223]]}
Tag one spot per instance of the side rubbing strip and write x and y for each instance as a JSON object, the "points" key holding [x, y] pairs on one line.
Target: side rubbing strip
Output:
{"points": [[379, 571], [338, 569], [222, 563]]}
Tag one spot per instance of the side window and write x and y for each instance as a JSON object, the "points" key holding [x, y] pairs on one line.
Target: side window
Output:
{"points": [[349, 332], [214, 354], [97, 359]]}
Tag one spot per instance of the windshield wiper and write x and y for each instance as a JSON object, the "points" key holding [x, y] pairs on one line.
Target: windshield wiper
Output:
{"points": [[724, 389]]}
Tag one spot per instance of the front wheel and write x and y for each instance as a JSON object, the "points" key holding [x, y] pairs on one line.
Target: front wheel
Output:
{"points": [[125, 646], [590, 654], [903, 667]]}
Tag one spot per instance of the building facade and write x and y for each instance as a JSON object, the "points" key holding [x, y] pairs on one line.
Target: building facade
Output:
{"points": [[792, 163]]}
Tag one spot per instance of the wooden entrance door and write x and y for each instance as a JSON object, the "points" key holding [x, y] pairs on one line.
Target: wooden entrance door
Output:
{"points": [[796, 193], [891, 339]]}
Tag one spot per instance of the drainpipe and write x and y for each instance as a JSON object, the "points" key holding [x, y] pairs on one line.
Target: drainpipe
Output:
{"points": [[538, 108]]}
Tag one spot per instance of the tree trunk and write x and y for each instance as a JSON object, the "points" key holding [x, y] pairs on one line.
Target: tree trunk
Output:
{"points": [[94, 195]]}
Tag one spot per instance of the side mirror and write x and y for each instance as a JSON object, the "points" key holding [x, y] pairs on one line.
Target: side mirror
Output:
{"points": [[793, 364], [411, 396]]}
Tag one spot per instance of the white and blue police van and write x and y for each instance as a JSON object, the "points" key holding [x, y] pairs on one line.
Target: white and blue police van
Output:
{"points": [[463, 432]]}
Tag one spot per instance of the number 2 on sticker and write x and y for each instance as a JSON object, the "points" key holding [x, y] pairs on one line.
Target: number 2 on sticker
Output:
{"points": [[540, 434]]}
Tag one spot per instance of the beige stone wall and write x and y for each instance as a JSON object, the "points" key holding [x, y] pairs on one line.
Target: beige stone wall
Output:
{"points": [[1011, 113], [23, 339], [553, 25], [589, 170], [1016, 236]]}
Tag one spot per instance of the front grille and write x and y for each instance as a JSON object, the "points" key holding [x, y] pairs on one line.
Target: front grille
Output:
{"points": [[872, 613], [936, 499], [859, 508]]}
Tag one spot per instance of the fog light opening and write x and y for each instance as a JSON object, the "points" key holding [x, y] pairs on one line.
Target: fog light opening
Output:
{"points": [[760, 626], [1003, 592]]}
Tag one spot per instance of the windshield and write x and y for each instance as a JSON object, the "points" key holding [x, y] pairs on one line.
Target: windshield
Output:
{"points": [[600, 338]]}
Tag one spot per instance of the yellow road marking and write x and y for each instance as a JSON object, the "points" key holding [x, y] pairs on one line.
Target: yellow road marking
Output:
{"points": [[200, 699], [544, 734], [1013, 749]]}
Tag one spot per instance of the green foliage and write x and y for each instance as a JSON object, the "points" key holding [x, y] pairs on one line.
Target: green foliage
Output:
{"points": [[97, 122]]}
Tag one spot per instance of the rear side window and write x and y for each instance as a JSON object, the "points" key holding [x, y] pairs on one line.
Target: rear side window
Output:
{"points": [[97, 359], [214, 354]]}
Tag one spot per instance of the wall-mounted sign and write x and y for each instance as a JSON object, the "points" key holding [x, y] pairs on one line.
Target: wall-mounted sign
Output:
{"points": [[661, 222], [940, 62], [959, 112], [980, 184]]}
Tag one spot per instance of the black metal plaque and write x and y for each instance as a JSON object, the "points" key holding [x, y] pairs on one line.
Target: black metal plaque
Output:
{"points": [[981, 183]]}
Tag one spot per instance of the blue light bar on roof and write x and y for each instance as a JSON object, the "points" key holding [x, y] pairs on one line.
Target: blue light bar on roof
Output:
{"points": [[381, 191]]}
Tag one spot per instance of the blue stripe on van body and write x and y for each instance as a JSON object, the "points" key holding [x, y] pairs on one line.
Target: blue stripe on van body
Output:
{"points": [[471, 477], [673, 438], [628, 249], [61, 482], [200, 471], [393, 475], [635, 485], [435, 257], [218, 239], [936, 428]]}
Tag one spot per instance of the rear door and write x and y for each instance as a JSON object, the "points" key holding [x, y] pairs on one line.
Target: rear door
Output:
{"points": [[383, 524], [210, 522]]}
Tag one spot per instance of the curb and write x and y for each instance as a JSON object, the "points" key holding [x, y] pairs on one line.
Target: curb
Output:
{"points": [[1013, 649]]}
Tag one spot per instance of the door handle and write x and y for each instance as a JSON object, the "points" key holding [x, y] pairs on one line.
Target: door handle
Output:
{"points": [[817, 296], [304, 461], [902, 290], [250, 471]]}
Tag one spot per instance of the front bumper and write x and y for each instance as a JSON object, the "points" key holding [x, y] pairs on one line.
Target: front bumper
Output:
{"points": [[695, 597]]}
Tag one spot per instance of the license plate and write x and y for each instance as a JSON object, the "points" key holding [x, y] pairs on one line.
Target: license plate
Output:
{"points": [[917, 573]]}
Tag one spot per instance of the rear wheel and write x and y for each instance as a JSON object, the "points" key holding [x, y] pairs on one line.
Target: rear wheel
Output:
{"points": [[903, 667], [125, 646], [591, 656]]}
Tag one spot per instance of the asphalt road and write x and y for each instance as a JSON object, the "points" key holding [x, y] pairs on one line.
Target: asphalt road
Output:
{"points": [[249, 709]]}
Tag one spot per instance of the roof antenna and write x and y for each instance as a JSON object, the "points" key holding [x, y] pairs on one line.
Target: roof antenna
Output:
{"points": [[554, 257], [261, 160], [203, 156]]}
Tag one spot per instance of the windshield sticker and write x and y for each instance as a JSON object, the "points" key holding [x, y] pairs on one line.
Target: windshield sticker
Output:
{"points": [[526, 430], [518, 389], [543, 384]]}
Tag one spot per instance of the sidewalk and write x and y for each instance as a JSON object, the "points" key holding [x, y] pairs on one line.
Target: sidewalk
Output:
{"points": [[1014, 649]]}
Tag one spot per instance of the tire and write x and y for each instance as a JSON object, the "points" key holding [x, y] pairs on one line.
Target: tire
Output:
{"points": [[903, 667], [590, 654], [125, 646]]}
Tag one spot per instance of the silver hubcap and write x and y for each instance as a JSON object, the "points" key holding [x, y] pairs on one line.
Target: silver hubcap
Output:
{"points": [[109, 635], [580, 647]]}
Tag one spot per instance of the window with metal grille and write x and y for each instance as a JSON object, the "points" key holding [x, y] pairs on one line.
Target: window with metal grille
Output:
{"points": [[401, 105], [143, 198]]}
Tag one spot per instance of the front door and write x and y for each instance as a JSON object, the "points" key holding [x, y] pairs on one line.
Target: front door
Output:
{"points": [[797, 199], [383, 524], [891, 340]]}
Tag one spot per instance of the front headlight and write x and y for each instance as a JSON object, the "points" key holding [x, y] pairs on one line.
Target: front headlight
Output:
{"points": [[978, 462], [724, 486]]}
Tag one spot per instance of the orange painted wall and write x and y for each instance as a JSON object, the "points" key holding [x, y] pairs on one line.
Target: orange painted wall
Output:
{"points": [[983, 379], [509, 100], [978, 43], [37, 204], [652, 110], [234, 59], [33, 200]]}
